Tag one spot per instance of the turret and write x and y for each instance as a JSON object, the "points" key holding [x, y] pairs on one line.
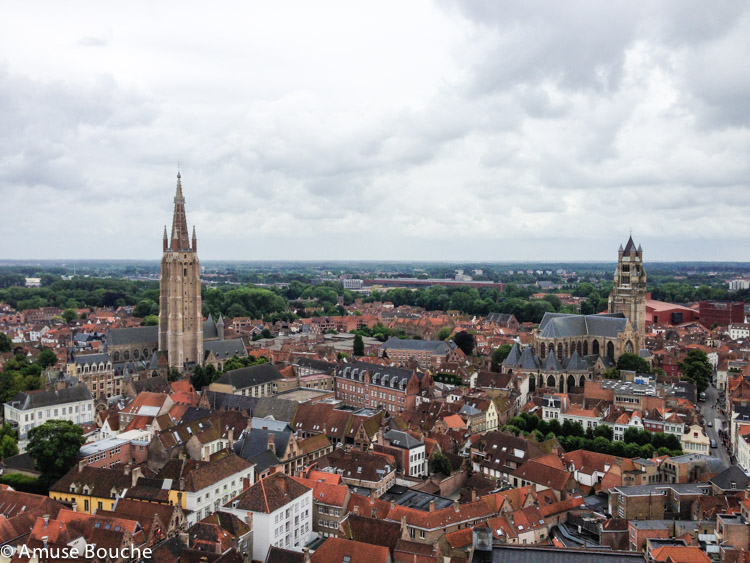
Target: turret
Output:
{"points": [[220, 327], [195, 241], [166, 240]]}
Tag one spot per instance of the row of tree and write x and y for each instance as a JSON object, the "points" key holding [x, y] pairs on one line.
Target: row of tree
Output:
{"points": [[572, 436]]}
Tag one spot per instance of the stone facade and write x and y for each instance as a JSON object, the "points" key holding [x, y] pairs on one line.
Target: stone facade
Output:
{"points": [[629, 292], [180, 317]]}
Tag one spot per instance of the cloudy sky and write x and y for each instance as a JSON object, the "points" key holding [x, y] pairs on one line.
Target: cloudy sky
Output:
{"points": [[444, 130]]}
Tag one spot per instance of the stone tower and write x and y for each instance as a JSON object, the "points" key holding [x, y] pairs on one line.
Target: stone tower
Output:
{"points": [[629, 292], [180, 317]]}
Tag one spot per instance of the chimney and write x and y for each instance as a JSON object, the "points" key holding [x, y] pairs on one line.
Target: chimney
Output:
{"points": [[46, 520], [74, 506], [272, 442], [135, 474], [81, 465], [432, 505], [455, 505], [249, 423], [404, 529], [473, 495], [249, 520], [306, 555], [355, 510]]}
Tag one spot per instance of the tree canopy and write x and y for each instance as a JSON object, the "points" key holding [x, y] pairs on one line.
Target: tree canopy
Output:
{"points": [[697, 369], [54, 447], [633, 362]]}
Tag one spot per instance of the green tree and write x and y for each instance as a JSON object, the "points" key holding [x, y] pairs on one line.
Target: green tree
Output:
{"points": [[697, 369], [439, 463], [633, 362], [5, 343], [358, 347], [604, 431], [499, 355], [203, 376], [69, 315], [8, 441], [444, 333], [46, 358], [150, 320], [174, 374], [146, 307], [54, 447], [465, 341]]}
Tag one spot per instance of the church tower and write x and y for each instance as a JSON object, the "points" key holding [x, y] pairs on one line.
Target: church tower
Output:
{"points": [[180, 316], [629, 292]]}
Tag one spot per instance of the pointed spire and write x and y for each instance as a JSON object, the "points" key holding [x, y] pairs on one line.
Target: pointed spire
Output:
{"points": [[165, 232], [180, 242], [630, 246]]}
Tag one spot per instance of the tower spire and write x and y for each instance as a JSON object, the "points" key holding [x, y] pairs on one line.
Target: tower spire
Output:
{"points": [[180, 241]]}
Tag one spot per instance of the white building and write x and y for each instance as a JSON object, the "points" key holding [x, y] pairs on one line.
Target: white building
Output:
{"points": [[737, 331], [213, 484], [414, 452], [30, 409], [281, 512], [735, 285]]}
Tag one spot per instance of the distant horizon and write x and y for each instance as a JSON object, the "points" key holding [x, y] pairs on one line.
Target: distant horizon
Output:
{"points": [[71, 261]]}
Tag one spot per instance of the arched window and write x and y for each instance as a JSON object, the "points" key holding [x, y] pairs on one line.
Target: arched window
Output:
{"points": [[571, 382], [595, 347], [610, 351], [116, 356], [541, 351], [583, 380], [126, 355], [145, 353], [541, 380], [551, 348], [628, 347], [532, 383], [579, 348], [551, 381], [585, 347], [136, 354], [559, 352], [566, 351]]}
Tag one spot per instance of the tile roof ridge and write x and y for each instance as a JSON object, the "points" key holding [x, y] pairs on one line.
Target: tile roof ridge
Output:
{"points": [[265, 498]]}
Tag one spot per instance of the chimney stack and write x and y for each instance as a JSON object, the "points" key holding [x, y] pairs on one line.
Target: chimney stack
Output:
{"points": [[135, 474], [432, 505], [272, 442]]}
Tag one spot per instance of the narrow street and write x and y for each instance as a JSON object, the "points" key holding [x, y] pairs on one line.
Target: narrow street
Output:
{"points": [[710, 410]]}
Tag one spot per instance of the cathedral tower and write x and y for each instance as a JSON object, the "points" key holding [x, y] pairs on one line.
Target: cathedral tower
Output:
{"points": [[629, 292], [180, 316]]}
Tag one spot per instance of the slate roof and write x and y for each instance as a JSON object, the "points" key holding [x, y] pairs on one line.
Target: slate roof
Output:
{"points": [[39, 399], [731, 474], [135, 336], [149, 335], [256, 442], [89, 359], [564, 325], [384, 374], [99, 481], [225, 349], [499, 318], [440, 347], [251, 376], [576, 362], [513, 356], [629, 246], [402, 439]]}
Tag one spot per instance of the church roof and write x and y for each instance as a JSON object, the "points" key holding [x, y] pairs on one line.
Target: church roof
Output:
{"points": [[225, 349], [551, 363], [513, 356], [563, 325], [576, 363], [135, 336]]}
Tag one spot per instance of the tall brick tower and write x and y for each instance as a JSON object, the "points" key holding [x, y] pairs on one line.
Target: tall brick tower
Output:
{"points": [[180, 317], [629, 292]]}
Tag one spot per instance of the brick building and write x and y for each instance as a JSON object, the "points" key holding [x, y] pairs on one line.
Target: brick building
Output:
{"points": [[722, 313], [367, 385]]}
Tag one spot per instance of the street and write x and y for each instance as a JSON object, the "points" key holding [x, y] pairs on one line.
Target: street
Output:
{"points": [[711, 413]]}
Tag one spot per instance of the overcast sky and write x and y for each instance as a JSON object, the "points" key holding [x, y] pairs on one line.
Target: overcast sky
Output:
{"points": [[376, 130]]}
